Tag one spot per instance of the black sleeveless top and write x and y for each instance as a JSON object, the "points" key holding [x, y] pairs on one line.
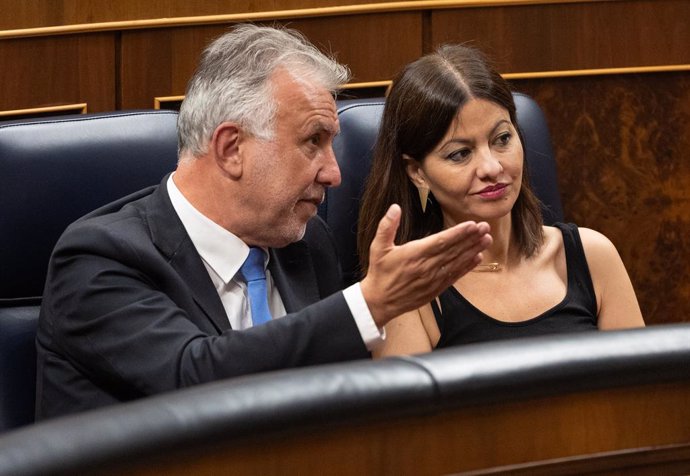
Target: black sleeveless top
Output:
{"points": [[462, 323]]}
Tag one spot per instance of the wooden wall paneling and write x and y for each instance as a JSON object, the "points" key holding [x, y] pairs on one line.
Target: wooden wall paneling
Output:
{"points": [[42, 13], [573, 35], [621, 145], [49, 71], [374, 46], [158, 63], [31, 14]]}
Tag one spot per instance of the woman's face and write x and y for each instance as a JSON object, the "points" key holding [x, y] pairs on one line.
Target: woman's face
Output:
{"points": [[475, 172]]}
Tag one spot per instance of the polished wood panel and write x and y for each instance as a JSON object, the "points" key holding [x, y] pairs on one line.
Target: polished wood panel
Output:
{"points": [[446, 442], [40, 13], [39, 72], [359, 41], [672, 459], [572, 36], [621, 143], [158, 63]]}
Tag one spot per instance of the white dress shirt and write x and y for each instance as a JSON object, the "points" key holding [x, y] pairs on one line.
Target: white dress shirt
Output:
{"points": [[223, 254]]}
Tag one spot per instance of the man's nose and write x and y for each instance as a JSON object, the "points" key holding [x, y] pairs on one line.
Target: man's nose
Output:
{"points": [[329, 175]]}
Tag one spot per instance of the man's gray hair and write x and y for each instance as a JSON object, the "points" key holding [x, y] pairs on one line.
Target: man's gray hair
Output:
{"points": [[231, 82]]}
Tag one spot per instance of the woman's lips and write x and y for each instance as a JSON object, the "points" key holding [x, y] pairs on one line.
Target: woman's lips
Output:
{"points": [[493, 191]]}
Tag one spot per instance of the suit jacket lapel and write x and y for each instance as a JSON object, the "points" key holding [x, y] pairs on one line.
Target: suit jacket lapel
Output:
{"points": [[169, 236], [293, 273]]}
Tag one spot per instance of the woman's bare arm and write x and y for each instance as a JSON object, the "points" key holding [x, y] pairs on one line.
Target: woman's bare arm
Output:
{"points": [[616, 301]]}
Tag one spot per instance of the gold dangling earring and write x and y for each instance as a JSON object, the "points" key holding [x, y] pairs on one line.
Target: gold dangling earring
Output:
{"points": [[423, 197]]}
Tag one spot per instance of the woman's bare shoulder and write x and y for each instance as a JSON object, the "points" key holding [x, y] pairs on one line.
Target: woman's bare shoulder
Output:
{"points": [[598, 248]]}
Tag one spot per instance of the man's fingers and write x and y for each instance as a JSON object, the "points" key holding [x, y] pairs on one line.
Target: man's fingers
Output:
{"points": [[454, 267], [385, 233], [402, 278], [446, 262], [452, 243], [451, 237]]}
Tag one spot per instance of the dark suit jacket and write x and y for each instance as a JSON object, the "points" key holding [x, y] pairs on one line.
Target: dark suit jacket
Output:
{"points": [[129, 310]]}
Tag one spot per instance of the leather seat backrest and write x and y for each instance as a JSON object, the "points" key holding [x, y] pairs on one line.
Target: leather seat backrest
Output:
{"points": [[17, 365], [54, 170]]}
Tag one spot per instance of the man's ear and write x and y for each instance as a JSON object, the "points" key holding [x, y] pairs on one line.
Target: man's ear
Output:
{"points": [[225, 145], [414, 171]]}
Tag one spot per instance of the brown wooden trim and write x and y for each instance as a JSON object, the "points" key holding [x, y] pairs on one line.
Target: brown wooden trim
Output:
{"points": [[369, 84], [80, 108], [160, 100], [556, 74], [598, 72], [401, 6], [651, 459], [385, 84]]}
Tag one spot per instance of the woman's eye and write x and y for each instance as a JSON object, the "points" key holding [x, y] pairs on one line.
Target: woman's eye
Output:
{"points": [[504, 139], [459, 155]]}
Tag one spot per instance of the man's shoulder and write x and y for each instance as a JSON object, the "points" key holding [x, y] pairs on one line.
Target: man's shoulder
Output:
{"points": [[132, 203], [317, 226], [318, 236], [121, 216]]}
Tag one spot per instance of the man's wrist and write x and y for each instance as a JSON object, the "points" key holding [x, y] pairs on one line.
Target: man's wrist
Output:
{"points": [[371, 333]]}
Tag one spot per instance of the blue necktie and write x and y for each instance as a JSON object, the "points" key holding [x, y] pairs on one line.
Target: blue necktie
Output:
{"points": [[255, 276]]}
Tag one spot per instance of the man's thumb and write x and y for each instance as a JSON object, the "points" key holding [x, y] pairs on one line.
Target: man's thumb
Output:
{"points": [[388, 226]]}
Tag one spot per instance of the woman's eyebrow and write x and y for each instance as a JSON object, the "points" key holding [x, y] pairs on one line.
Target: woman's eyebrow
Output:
{"points": [[465, 141]]}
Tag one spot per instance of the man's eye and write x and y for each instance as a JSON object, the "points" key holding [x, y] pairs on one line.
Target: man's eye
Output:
{"points": [[315, 139]]}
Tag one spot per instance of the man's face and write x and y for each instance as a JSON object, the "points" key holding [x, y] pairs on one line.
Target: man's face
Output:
{"points": [[288, 175]]}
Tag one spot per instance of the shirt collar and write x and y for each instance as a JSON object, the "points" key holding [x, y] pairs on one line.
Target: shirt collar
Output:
{"points": [[222, 251]]}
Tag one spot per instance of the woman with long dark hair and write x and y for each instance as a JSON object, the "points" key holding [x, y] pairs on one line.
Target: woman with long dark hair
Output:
{"points": [[449, 150]]}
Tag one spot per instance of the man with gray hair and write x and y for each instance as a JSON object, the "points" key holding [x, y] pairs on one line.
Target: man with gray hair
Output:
{"points": [[224, 269]]}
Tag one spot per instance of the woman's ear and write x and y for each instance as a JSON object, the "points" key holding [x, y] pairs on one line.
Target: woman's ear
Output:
{"points": [[414, 171], [226, 145], [416, 174]]}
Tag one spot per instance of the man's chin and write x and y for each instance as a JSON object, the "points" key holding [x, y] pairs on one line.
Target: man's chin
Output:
{"points": [[288, 236], [306, 208]]}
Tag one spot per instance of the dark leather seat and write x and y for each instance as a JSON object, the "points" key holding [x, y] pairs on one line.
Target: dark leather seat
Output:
{"points": [[17, 365], [52, 171], [359, 124]]}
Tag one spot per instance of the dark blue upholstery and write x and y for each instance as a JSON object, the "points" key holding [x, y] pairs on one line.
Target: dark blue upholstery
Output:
{"points": [[52, 171], [359, 124], [541, 163], [17, 365]]}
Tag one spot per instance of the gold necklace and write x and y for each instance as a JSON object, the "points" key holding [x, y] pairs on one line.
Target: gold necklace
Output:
{"points": [[488, 267]]}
